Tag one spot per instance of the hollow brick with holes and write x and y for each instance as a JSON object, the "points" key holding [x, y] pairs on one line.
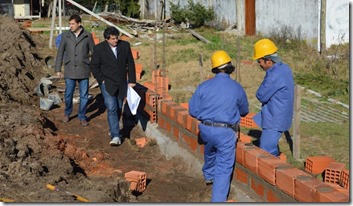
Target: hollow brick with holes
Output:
{"points": [[344, 179], [317, 164], [333, 172]]}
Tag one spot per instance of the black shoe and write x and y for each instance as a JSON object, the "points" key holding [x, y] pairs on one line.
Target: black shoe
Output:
{"points": [[209, 182]]}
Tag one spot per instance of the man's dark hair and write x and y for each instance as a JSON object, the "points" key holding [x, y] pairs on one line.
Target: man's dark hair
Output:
{"points": [[227, 69], [111, 31], [76, 17]]}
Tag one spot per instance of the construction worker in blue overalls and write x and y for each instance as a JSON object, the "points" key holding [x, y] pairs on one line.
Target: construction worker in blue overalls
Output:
{"points": [[219, 103], [276, 94]]}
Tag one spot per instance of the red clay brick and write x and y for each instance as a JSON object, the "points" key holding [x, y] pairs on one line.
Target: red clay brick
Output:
{"points": [[193, 143], [174, 112], [272, 197], [161, 122], [185, 105], [267, 168], [141, 142], [155, 73], [305, 188], [124, 37], [135, 53], [316, 165], [247, 121], [240, 148], [188, 122], [149, 85], [195, 126], [168, 126], [176, 132], [344, 179], [257, 187], [329, 194], [251, 156], [138, 68], [181, 117], [241, 175], [185, 138], [285, 178], [333, 172]]}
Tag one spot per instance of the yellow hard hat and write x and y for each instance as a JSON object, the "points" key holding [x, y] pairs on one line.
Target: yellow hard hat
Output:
{"points": [[219, 58], [264, 47]]}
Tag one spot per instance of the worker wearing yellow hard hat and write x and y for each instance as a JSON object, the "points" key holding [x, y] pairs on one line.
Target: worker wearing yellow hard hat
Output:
{"points": [[219, 103], [276, 94]]}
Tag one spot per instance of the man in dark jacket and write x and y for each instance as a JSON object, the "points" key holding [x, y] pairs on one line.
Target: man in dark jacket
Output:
{"points": [[74, 51], [112, 63]]}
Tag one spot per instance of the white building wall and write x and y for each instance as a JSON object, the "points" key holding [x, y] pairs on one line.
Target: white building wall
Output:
{"points": [[337, 22], [274, 14], [271, 15]]}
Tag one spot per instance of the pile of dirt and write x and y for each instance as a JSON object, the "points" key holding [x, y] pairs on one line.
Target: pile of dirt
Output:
{"points": [[37, 148], [19, 63]]}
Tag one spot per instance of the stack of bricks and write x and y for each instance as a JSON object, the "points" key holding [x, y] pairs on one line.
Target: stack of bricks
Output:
{"points": [[138, 66], [137, 180], [159, 84], [150, 108], [272, 178]]}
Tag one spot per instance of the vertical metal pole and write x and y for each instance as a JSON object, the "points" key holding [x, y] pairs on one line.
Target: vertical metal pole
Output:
{"points": [[323, 27], [52, 24], [296, 122]]}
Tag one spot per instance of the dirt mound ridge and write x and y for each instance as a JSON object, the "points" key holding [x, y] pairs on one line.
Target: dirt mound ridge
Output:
{"points": [[19, 71]]}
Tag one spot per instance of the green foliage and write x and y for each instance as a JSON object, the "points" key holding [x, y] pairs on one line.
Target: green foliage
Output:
{"points": [[328, 86], [195, 14]]}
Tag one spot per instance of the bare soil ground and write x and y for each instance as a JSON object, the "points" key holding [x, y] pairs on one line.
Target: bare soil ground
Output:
{"points": [[37, 148]]}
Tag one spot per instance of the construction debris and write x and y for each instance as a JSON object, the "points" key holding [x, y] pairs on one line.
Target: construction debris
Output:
{"points": [[137, 179]]}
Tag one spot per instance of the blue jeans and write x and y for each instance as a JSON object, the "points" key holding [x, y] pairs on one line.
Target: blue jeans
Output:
{"points": [[219, 157], [269, 141], [113, 105], [69, 94]]}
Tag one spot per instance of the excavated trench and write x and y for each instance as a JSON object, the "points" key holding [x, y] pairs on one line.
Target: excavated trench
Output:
{"points": [[37, 148]]}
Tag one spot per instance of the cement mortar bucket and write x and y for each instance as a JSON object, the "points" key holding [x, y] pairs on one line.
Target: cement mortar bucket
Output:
{"points": [[55, 97], [45, 103]]}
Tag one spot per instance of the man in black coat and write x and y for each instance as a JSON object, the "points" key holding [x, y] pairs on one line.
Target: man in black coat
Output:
{"points": [[113, 67]]}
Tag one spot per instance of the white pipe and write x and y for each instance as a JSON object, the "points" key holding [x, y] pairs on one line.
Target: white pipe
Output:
{"points": [[60, 22], [100, 18]]}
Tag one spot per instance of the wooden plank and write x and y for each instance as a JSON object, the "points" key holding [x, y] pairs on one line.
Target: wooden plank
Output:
{"points": [[296, 125], [199, 36]]}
